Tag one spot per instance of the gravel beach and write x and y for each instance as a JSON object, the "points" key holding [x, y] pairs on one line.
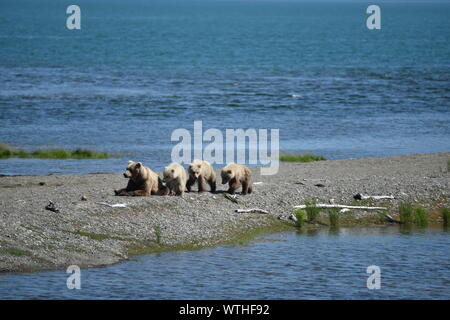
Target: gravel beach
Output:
{"points": [[88, 234]]}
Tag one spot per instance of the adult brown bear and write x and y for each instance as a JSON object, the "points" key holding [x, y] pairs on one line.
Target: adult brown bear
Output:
{"points": [[143, 182]]}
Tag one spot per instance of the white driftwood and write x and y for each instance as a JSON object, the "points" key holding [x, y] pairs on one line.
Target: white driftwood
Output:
{"points": [[115, 205], [361, 196], [259, 182], [256, 210], [230, 197], [340, 206], [390, 219]]}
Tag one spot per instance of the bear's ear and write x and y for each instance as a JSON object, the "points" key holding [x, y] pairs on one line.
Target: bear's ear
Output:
{"points": [[130, 161], [138, 165], [229, 171]]}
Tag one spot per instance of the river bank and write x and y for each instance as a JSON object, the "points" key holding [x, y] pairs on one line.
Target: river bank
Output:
{"points": [[90, 234]]}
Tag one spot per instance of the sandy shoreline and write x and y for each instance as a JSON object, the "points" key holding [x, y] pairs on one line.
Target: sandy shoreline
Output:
{"points": [[88, 234]]}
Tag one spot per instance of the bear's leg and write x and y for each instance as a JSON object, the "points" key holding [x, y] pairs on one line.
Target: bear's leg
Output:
{"points": [[190, 183], [201, 184], [120, 192], [179, 191], [131, 186], [233, 186], [247, 186], [138, 193], [212, 184], [162, 191], [244, 187], [169, 186], [134, 193], [178, 188]]}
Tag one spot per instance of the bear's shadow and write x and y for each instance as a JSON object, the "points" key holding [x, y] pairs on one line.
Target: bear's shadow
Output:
{"points": [[215, 192]]}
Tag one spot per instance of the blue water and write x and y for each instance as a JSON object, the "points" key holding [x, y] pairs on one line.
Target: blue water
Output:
{"points": [[139, 69], [314, 264]]}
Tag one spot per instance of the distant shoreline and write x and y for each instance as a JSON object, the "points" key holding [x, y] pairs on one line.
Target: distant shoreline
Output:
{"points": [[217, 167], [89, 234]]}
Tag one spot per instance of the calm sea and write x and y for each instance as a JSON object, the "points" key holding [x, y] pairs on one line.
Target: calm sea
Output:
{"points": [[139, 69]]}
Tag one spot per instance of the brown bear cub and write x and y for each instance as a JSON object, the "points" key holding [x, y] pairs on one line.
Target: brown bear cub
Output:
{"points": [[175, 178], [143, 182], [201, 171], [235, 175]]}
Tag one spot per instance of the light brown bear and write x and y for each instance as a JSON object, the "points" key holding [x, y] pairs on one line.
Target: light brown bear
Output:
{"points": [[235, 175], [143, 181], [201, 171], [175, 178]]}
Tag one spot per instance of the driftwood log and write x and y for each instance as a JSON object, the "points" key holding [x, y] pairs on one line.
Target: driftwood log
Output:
{"points": [[115, 205], [360, 196], [392, 220], [340, 206], [255, 210], [232, 198]]}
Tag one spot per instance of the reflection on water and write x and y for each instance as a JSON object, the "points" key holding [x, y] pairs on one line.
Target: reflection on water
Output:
{"points": [[308, 264]]}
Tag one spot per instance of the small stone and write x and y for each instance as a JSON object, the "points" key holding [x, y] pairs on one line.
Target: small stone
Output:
{"points": [[83, 198], [358, 196], [320, 185], [52, 207]]}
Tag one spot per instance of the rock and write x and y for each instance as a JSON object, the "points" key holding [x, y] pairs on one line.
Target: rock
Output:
{"points": [[320, 185], [51, 207], [357, 196]]}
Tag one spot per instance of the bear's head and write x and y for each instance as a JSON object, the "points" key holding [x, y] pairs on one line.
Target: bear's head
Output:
{"points": [[227, 175], [194, 169], [134, 170], [169, 173]]}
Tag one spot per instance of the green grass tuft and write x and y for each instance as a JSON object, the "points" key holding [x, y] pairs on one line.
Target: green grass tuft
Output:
{"points": [[158, 234], [410, 214], [406, 213], [445, 216], [95, 236], [309, 157], [7, 151], [16, 252], [312, 211], [420, 216], [333, 215], [301, 216]]}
